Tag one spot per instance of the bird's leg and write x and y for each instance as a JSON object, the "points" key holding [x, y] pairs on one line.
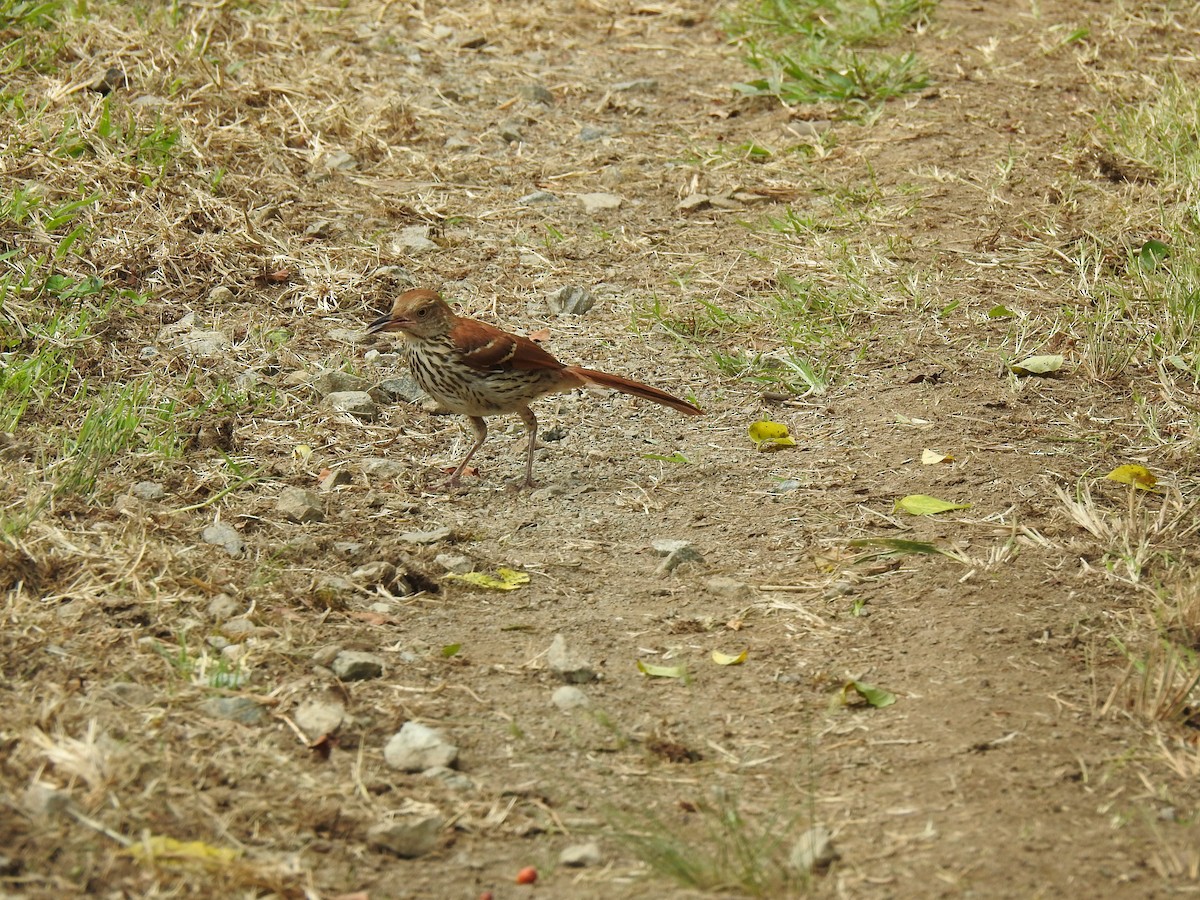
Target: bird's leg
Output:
{"points": [[530, 421], [480, 428]]}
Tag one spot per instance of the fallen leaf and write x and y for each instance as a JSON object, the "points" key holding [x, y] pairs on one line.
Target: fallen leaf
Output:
{"points": [[768, 436], [875, 696], [1000, 311], [896, 546], [302, 452], [1152, 254], [156, 847], [503, 580], [933, 457], [902, 419], [451, 650], [654, 671], [1138, 476], [924, 505], [1046, 364], [724, 659]]}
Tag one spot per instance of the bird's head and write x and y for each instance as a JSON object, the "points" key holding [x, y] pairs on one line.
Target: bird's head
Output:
{"points": [[418, 314]]}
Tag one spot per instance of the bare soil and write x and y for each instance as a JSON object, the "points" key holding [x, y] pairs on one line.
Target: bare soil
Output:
{"points": [[995, 773]]}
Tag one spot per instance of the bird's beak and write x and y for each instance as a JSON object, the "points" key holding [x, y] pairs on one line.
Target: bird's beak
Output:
{"points": [[384, 323]]}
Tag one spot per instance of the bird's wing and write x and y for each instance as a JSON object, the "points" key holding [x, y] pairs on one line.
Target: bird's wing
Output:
{"points": [[489, 349]]}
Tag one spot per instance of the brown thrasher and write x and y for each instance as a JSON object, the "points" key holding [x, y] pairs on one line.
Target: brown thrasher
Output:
{"points": [[477, 370]]}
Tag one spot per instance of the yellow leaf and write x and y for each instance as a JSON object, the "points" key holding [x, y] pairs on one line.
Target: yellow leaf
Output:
{"points": [[769, 436], [1137, 476], [933, 457], [924, 505], [302, 452], [503, 580], [654, 671], [724, 659], [157, 847]]}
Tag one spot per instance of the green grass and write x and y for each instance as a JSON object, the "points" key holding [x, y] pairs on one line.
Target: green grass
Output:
{"points": [[815, 51]]}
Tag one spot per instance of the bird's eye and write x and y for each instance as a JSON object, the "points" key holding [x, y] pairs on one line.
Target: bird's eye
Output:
{"points": [[422, 312]]}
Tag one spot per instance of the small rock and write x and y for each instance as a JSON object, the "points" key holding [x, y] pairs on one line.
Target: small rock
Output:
{"points": [[813, 850], [452, 562], [379, 572], [599, 202], [571, 300], [148, 490], [296, 379], [454, 780], [335, 478], [677, 553], [510, 132], [220, 296], [416, 747], [204, 343], [579, 855], [128, 693], [338, 161], [348, 335], [222, 607], [354, 665], [694, 203], [317, 717], [409, 832], [403, 387], [44, 801], [236, 709], [569, 697], [378, 467], [334, 381], [112, 79], [434, 536], [330, 589], [730, 588], [413, 241], [589, 133], [638, 84], [356, 403], [223, 535], [565, 665], [299, 505], [327, 654], [348, 548], [537, 197], [810, 128], [457, 142], [667, 546], [538, 93], [239, 629], [322, 229]]}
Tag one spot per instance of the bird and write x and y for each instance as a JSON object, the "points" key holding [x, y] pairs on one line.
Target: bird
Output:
{"points": [[478, 370]]}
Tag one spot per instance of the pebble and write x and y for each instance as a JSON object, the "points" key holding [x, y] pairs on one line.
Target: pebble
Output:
{"points": [[402, 387], [220, 295], [538, 93], [813, 850], [327, 654], [356, 403], [637, 84], [338, 161], [335, 478], [42, 800], [355, 665], [379, 572], [237, 709], [317, 717], [537, 197], [694, 203], [589, 133], [379, 467], [434, 536], [348, 548], [223, 535], [348, 335], [149, 490], [569, 697], [571, 300], [296, 378], [566, 665], [452, 562], [334, 381], [413, 241], [731, 588], [510, 132], [300, 505], [599, 202], [416, 747], [410, 832], [205, 343], [453, 779], [457, 142], [238, 628], [677, 553], [579, 855], [222, 607], [330, 588]]}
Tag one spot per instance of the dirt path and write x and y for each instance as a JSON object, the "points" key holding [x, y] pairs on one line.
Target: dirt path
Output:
{"points": [[993, 775]]}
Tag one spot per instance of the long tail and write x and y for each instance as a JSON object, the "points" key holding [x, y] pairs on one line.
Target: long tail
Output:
{"points": [[635, 389]]}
